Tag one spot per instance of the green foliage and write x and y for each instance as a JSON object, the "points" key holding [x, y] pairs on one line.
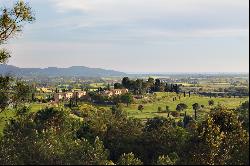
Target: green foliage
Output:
{"points": [[129, 159], [140, 107], [170, 159], [118, 86], [161, 136], [47, 137], [4, 56], [22, 111], [21, 93], [196, 106], [13, 92], [167, 108], [11, 23], [243, 112], [186, 120], [118, 132], [181, 107], [127, 98], [160, 109], [4, 101], [175, 114], [220, 140], [211, 102]]}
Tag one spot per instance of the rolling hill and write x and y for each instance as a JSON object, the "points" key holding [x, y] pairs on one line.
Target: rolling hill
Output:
{"points": [[80, 71]]}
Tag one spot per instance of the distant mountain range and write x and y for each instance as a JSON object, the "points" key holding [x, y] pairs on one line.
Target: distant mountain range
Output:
{"points": [[80, 71]]}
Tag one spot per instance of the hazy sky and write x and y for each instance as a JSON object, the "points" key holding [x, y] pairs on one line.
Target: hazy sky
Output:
{"points": [[136, 35]]}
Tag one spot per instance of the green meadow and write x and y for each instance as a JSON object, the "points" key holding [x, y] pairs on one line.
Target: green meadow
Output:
{"points": [[151, 104], [166, 99]]}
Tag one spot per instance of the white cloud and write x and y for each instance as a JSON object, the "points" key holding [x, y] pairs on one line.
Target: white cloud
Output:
{"points": [[67, 5], [128, 6], [132, 13]]}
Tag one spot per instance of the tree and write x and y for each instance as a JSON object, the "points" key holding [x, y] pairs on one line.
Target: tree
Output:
{"points": [[48, 138], [11, 24], [196, 107], [159, 87], [168, 110], [4, 101], [181, 107], [140, 107], [21, 93], [186, 120], [170, 159], [139, 86], [108, 87], [161, 136], [129, 159], [127, 98], [118, 86], [126, 82], [243, 113], [159, 110], [219, 140], [151, 81], [211, 102]]}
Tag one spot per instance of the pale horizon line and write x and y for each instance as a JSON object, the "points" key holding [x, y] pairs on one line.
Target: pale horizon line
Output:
{"points": [[143, 72]]}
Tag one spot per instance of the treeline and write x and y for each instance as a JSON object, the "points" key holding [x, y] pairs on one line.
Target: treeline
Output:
{"points": [[139, 86], [99, 98], [101, 137]]}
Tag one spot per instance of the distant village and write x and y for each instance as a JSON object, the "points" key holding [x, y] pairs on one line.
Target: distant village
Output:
{"points": [[65, 95]]}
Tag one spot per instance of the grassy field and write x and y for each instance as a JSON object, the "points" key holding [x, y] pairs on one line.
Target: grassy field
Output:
{"points": [[166, 99], [151, 109], [97, 85]]}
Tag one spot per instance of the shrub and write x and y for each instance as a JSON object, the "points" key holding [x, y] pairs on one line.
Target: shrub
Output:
{"points": [[175, 114], [182, 114], [159, 109], [129, 159], [211, 102], [140, 107]]}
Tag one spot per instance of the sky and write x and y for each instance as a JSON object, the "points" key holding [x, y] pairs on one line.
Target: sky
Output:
{"points": [[135, 35]]}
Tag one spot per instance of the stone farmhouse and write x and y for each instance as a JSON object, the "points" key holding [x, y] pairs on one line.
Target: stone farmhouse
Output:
{"points": [[115, 92], [68, 95]]}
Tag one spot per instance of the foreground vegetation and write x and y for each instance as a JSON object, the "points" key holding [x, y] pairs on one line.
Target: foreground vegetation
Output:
{"points": [[100, 136]]}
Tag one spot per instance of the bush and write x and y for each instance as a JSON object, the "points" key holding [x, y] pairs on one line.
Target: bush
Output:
{"points": [[129, 159], [182, 114], [170, 159], [175, 114], [159, 109], [211, 102], [140, 107]]}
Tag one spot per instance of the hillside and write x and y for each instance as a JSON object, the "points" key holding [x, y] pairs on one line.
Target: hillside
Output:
{"points": [[54, 71]]}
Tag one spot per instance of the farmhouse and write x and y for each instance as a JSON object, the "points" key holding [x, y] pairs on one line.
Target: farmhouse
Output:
{"points": [[68, 95], [115, 92], [44, 90], [80, 94]]}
